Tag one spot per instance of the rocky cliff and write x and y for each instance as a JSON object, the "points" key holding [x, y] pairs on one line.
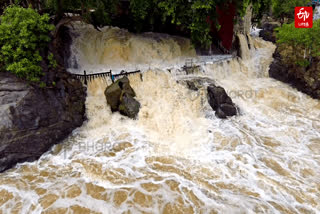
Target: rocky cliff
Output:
{"points": [[32, 119], [306, 80]]}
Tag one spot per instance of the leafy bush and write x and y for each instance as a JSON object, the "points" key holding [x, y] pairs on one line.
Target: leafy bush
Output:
{"points": [[285, 9], [23, 33], [190, 16], [299, 44]]}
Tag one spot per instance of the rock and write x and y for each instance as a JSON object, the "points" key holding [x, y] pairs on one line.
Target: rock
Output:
{"points": [[228, 109], [129, 106], [220, 114], [305, 80], [33, 119], [120, 95], [243, 24], [217, 96], [221, 102], [267, 33], [191, 85], [114, 91]]}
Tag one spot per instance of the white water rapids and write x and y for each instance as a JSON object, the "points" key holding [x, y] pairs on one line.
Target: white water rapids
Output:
{"points": [[177, 157]]}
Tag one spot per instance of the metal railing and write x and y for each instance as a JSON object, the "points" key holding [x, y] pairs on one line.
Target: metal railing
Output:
{"points": [[89, 77]]}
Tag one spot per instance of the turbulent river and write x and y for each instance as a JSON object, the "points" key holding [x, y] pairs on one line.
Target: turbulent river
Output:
{"points": [[177, 157]]}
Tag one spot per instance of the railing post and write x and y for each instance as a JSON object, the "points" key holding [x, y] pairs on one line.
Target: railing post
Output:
{"points": [[85, 77], [112, 77]]}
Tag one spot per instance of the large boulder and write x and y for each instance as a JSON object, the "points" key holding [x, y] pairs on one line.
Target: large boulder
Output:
{"points": [[120, 95], [268, 32], [221, 102], [114, 91], [33, 119], [129, 106]]}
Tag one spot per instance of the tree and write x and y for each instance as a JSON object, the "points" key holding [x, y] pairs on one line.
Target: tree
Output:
{"points": [[23, 34], [285, 9], [190, 16], [301, 44]]}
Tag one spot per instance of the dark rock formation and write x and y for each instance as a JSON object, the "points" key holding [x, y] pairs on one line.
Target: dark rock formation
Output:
{"points": [[120, 95], [306, 80], [33, 119], [196, 83], [221, 102], [63, 47], [128, 105], [267, 32]]}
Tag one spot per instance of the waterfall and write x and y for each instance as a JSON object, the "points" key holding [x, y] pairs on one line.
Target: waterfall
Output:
{"points": [[118, 49], [177, 157]]}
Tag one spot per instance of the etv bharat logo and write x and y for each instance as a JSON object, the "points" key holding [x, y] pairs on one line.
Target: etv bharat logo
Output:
{"points": [[303, 17]]}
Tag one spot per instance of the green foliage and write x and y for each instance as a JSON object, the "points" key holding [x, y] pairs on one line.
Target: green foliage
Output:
{"points": [[261, 7], [42, 85], [98, 12], [140, 8], [242, 7], [301, 43], [302, 62], [52, 62], [23, 33], [285, 9], [190, 16]]}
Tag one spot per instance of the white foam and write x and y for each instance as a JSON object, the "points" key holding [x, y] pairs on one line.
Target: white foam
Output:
{"points": [[260, 161]]}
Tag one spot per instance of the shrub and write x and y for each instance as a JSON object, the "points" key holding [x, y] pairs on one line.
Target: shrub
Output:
{"points": [[299, 44], [23, 33]]}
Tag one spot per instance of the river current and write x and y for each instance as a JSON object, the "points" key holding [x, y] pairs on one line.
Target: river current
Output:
{"points": [[177, 157]]}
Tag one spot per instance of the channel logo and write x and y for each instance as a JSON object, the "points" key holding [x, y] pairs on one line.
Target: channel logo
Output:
{"points": [[303, 17]]}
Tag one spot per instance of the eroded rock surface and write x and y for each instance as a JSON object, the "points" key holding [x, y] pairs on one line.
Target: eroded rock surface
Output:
{"points": [[120, 97], [33, 119]]}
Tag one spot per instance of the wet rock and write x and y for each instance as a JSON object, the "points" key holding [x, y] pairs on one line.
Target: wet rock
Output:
{"points": [[33, 119], [129, 106], [221, 102], [267, 32], [191, 85], [114, 91], [306, 80], [228, 109], [120, 95], [219, 113], [243, 24]]}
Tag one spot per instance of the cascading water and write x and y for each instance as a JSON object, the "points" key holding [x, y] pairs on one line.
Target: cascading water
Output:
{"points": [[118, 49], [177, 157]]}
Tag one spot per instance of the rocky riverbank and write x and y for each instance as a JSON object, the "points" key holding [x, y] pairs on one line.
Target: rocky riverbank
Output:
{"points": [[34, 119], [305, 79]]}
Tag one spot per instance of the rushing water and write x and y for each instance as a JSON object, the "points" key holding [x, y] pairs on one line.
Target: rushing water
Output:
{"points": [[177, 157]]}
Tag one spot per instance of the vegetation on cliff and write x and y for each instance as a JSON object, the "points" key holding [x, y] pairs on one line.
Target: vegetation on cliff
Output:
{"points": [[297, 57], [298, 53], [23, 35], [285, 9], [188, 16], [301, 44]]}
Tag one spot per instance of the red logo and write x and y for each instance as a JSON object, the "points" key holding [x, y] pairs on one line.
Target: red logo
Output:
{"points": [[303, 17]]}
